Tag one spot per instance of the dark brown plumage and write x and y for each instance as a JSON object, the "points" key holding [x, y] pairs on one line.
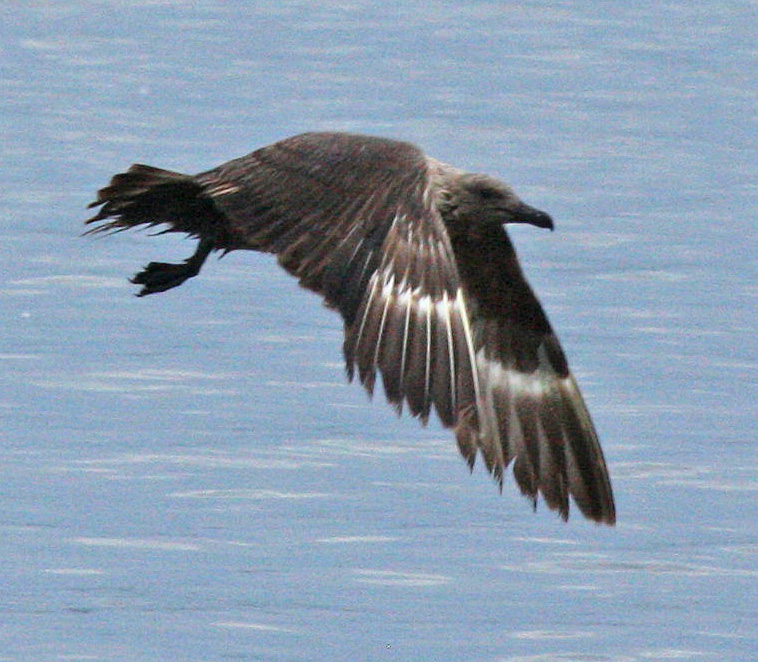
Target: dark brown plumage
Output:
{"points": [[413, 254]]}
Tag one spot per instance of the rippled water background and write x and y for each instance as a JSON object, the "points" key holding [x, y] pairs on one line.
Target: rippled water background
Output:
{"points": [[189, 477]]}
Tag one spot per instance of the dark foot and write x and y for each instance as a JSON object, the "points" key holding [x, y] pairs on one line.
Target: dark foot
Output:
{"points": [[162, 276]]}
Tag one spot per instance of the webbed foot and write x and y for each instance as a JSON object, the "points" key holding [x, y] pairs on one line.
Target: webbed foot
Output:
{"points": [[162, 276]]}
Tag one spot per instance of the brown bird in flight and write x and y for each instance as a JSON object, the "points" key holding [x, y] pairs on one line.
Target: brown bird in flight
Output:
{"points": [[413, 253]]}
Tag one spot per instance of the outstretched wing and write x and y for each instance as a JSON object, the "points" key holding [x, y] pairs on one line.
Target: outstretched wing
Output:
{"points": [[351, 217], [412, 324], [531, 412]]}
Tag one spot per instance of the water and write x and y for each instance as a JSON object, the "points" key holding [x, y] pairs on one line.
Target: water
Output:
{"points": [[189, 477]]}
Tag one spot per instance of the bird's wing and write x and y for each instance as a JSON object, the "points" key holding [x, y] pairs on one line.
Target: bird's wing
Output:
{"points": [[323, 203], [530, 411], [412, 323], [349, 216]]}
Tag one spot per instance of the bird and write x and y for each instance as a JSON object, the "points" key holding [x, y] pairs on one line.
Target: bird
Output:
{"points": [[414, 255]]}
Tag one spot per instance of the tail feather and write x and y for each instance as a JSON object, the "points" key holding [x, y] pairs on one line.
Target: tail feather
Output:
{"points": [[144, 195]]}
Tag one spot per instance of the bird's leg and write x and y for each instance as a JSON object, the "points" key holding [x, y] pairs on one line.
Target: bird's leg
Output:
{"points": [[162, 276]]}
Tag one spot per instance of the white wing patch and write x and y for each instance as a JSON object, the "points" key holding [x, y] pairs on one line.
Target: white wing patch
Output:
{"points": [[413, 338], [221, 188], [536, 417]]}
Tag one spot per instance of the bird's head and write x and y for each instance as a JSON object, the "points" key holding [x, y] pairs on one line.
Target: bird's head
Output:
{"points": [[480, 198]]}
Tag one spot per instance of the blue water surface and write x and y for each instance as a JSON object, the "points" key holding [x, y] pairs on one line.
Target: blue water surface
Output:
{"points": [[189, 477]]}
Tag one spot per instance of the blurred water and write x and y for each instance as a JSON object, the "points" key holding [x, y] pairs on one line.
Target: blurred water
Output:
{"points": [[189, 477]]}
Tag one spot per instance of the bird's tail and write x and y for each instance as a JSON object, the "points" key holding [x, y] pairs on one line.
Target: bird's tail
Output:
{"points": [[144, 195]]}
